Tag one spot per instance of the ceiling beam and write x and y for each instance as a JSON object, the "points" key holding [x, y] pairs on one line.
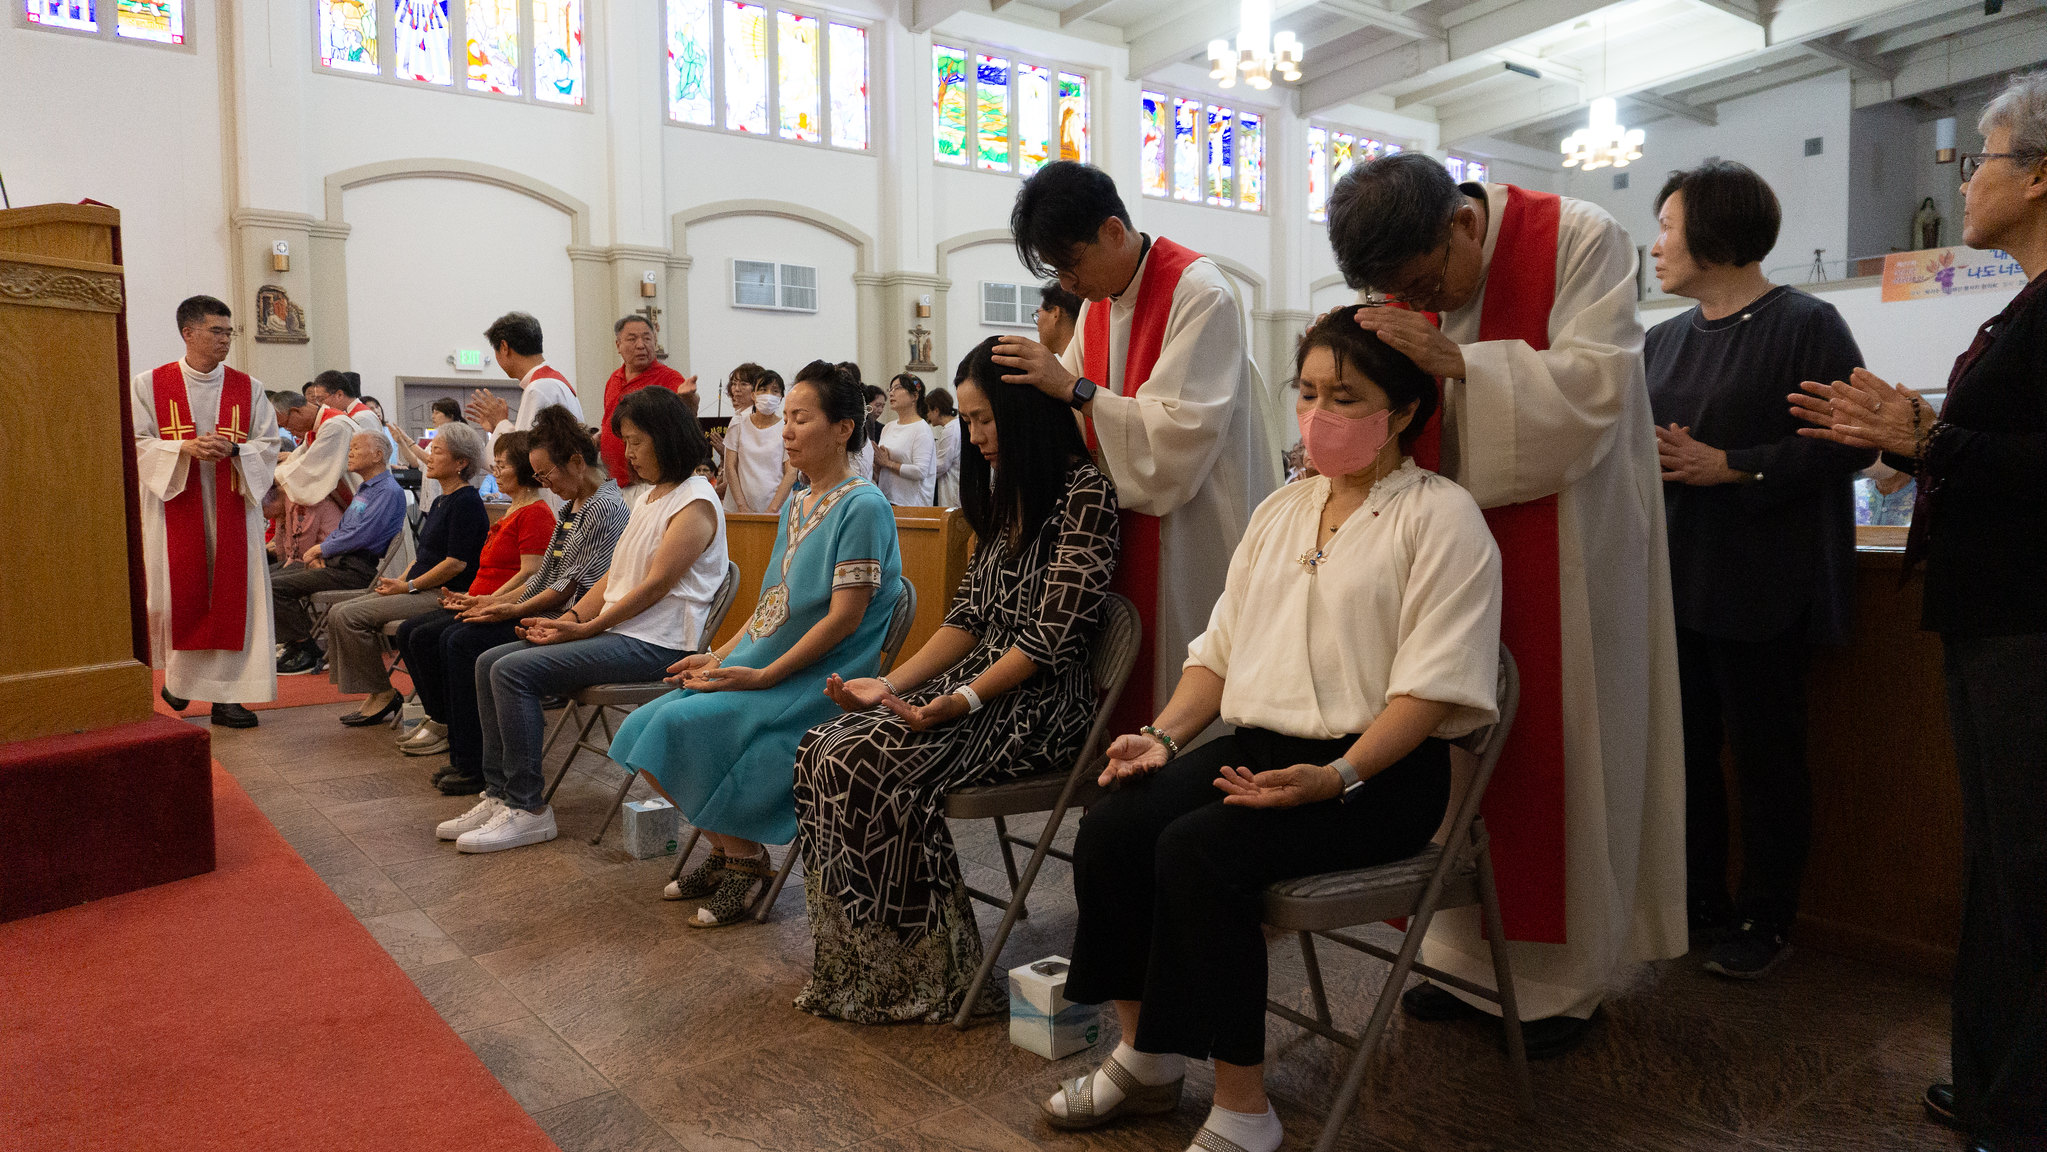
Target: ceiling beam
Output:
{"points": [[1513, 22], [1184, 32], [1796, 21], [1691, 112], [1749, 10], [1349, 81], [924, 15], [1376, 14], [2006, 48], [1969, 20], [1856, 62], [1439, 88], [1080, 11], [1919, 13]]}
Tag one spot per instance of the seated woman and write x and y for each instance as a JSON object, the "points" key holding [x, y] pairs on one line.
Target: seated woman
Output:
{"points": [[444, 649], [645, 613], [450, 543], [510, 557], [1358, 630], [723, 748], [1002, 689]]}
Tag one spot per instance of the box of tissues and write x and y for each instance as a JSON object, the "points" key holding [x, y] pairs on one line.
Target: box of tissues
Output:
{"points": [[1040, 1018], [650, 827]]}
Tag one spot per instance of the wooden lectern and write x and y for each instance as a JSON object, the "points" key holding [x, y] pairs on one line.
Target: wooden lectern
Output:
{"points": [[97, 795]]}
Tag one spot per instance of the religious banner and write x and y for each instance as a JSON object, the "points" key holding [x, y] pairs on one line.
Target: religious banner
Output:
{"points": [[1948, 272]]}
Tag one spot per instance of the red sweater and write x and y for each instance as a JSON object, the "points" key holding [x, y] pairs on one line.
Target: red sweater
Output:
{"points": [[618, 388]]}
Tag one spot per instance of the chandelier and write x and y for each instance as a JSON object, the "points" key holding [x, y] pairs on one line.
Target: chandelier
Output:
{"points": [[1604, 141], [1260, 52]]}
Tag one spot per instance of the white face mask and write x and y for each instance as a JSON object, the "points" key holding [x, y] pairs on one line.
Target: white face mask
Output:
{"points": [[767, 403]]}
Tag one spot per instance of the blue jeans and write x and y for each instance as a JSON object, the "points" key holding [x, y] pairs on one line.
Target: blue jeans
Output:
{"points": [[512, 679]]}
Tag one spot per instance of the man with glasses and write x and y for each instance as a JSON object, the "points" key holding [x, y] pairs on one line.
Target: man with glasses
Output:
{"points": [[1160, 373], [205, 447], [319, 464], [1546, 420]]}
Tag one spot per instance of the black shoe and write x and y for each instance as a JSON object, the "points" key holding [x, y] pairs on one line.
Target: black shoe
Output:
{"points": [[551, 703], [177, 703], [454, 785], [444, 771], [1432, 1003], [233, 716], [1750, 952], [298, 660], [1940, 1106], [357, 720], [1710, 921], [1552, 1036]]}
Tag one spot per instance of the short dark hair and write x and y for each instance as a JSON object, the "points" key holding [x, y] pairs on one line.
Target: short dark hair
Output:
{"points": [[517, 329], [347, 383], [193, 309], [679, 443], [910, 382], [561, 434], [851, 369], [838, 394], [1731, 214], [1053, 296], [868, 392], [768, 378], [940, 401], [748, 373], [1364, 353], [448, 408], [619, 324], [1387, 212], [514, 446], [1040, 441], [1060, 208]]}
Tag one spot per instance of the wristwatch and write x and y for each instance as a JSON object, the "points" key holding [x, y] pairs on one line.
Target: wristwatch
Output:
{"points": [[1349, 777], [234, 448], [1083, 391]]}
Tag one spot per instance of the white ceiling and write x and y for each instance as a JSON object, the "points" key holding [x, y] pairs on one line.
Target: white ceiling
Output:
{"points": [[1521, 71]]}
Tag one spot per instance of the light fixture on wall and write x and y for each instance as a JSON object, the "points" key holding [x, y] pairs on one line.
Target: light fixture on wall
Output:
{"points": [[1260, 53], [1604, 141], [1944, 140]]}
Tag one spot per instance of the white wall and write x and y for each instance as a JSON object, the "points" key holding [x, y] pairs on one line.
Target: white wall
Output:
{"points": [[432, 262], [722, 336], [966, 269]]}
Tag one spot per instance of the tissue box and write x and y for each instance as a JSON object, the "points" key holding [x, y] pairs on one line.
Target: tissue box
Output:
{"points": [[1040, 1018], [650, 827]]}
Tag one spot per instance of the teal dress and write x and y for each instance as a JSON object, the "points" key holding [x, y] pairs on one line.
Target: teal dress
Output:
{"points": [[728, 759]]}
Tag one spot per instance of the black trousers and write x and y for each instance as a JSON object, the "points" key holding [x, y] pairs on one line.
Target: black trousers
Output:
{"points": [[1997, 706], [1169, 878], [441, 654], [1750, 695], [289, 591]]}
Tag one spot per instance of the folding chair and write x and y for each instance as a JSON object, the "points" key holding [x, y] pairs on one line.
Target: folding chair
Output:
{"points": [[1115, 650], [595, 703], [397, 558], [1455, 875], [900, 619]]}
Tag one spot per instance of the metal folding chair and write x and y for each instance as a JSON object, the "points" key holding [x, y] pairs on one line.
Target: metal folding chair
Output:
{"points": [[1455, 875], [1115, 651]]}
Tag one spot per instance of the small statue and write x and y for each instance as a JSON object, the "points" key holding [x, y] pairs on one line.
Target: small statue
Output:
{"points": [[920, 351], [1926, 225]]}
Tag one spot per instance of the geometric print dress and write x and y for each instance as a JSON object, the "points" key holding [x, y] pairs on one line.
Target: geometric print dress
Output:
{"points": [[894, 928]]}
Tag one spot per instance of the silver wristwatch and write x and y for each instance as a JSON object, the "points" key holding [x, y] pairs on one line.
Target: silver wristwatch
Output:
{"points": [[1349, 776]]}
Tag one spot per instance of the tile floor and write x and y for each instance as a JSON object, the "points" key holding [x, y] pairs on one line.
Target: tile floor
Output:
{"points": [[620, 1029]]}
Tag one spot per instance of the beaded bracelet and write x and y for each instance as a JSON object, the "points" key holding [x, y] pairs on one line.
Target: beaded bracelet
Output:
{"points": [[1172, 746]]}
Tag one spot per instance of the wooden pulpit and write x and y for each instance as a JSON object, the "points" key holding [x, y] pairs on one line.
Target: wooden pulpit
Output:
{"points": [[97, 795]]}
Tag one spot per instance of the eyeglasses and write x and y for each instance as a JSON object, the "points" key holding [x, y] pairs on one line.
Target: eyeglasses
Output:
{"points": [[1065, 273], [1973, 161], [222, 333], [1416, 298]]}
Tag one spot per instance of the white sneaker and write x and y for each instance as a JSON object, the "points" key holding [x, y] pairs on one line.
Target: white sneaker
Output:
{"points": [[509, 828], [471, 820]]}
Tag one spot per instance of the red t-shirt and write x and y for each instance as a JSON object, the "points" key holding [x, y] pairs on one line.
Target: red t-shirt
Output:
{"points": [[521, 533], [618, 388]]}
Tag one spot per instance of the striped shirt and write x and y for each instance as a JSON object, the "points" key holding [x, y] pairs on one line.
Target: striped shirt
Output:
{"points": [[579, 554]]}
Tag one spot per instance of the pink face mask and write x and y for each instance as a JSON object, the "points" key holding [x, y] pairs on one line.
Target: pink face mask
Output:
{"points": [[1341, 445]]}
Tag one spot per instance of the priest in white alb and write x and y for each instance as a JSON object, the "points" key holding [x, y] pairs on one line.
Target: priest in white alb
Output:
{"points": [[515, 340], [309, 473], [205, 447], [1546, 420], [1160, 372]]}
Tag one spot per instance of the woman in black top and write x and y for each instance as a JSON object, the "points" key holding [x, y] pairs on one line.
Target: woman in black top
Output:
{"points": [[1981, 527]]}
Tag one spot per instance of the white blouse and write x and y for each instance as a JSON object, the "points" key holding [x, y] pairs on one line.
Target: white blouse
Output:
{"points": [[677, 619], [947, 492], [1405, 601], [753, 464], [916, 450]]}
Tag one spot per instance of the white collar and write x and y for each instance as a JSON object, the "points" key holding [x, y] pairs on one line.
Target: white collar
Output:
{"points": [[528, 377], [213, 377]]}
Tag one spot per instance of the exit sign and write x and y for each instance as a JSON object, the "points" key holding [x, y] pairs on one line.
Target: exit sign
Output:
{"points": [[468, 360]]}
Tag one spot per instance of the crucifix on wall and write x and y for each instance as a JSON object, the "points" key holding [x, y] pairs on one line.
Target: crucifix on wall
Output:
{"points": [[653, 317]]}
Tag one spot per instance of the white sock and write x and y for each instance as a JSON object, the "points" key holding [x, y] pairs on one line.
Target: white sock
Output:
{"points": [[1251, 1131], [1150, 1068]]}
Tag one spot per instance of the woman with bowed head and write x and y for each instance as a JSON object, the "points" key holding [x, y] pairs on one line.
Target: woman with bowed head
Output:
{"points": [[945, 425], [1002, 689], [724, 747], [906, 460], [1358, 630]]}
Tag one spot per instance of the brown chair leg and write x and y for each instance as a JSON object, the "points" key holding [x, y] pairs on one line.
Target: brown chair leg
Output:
{"points": [[767, 902], [682, 857]]}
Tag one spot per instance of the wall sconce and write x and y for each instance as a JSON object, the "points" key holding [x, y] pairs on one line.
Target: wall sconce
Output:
{"points": [[647, 286], [923, 307], [1944, 140], [280, 256]]}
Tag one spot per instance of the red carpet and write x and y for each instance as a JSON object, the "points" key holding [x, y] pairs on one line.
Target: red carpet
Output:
{"points": [[292, 692], [243, 1009]]}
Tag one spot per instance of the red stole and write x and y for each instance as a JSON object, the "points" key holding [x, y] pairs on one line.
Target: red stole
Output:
{"points": [[547, 372], [209, 602], [1524, 804], [1137, 570]]}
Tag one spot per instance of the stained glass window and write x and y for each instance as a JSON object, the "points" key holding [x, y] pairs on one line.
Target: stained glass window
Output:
{"points": [[1221, 161], [1152, 152], [558, 51], [348, 35], [79, 15], [797, 70], [849, 86], [991, 113], [162, 21], [1342, 154], [1318, 174], [949, 103], [422, 43], [1476, 172], [493, 32], [689, 61], [1456, 168], [1251, 163], [1186, 160], [746, 67], [1033, 117], [1072, 117]]}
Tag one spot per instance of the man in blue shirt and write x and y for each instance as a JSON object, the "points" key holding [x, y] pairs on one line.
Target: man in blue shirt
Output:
{"points": [[346, 559]]}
